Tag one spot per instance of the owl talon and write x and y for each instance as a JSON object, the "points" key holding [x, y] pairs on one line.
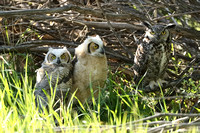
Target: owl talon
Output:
{"points": [[152, 84], [161, 82]]}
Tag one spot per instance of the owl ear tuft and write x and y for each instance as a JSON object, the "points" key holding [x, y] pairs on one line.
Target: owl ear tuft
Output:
{"points": [[97, 36], [50, 49], [147, 24], [170, 26], [89, 37]]}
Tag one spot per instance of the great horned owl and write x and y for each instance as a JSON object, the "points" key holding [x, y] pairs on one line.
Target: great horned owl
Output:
{"points": [[152, 55], [56, 70], [90, 68]]}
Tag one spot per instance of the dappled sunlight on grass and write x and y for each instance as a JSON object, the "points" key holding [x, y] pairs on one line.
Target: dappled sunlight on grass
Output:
{"points": [[119, 108], [19, 113]]}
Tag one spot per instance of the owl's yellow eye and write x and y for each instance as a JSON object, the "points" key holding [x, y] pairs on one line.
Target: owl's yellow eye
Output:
{"points": [[152, 33], [163, 32], [96, 46], [63, 56], [53, 57]]}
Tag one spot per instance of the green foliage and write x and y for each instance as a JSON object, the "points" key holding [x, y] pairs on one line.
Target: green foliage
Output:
{"points": [[118, 104], [18, 111]]}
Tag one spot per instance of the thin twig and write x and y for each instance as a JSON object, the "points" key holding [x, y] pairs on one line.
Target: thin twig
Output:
{"points": [[166, 114], [32, 46], [175, 15], [172, 97], [163, 124], [178, 126], [187, 68], [156, 129], [68, 7], [112, 29]]}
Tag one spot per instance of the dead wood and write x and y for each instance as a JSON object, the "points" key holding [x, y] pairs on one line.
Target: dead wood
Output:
{"points": [[33, 28]]}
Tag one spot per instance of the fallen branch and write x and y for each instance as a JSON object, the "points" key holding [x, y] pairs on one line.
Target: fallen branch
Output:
{"points": [[51, 42], [166, 114], [26, 46], [166, 125], [187, 68], [82, 10], [35, 46], [189, 33], [116, 25], [175, 15]]}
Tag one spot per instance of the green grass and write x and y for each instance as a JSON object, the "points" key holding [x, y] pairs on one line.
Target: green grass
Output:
{"points": [[117, 106]]}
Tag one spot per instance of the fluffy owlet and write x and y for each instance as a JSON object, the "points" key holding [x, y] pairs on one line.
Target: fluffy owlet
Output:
{"points": [[55, 73], [152, 55], [90, 68]]}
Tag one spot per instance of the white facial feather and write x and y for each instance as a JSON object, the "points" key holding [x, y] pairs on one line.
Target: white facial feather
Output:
{"points": [[84, 46], [57, 53]]}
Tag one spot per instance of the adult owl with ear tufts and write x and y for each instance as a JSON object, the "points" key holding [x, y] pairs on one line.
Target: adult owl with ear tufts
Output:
{"points": [[152, 55]]}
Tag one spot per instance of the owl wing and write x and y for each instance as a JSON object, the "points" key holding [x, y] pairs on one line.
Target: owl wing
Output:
{"points": [[60, 75], [140, 61], [52, 73], [41, 72]]}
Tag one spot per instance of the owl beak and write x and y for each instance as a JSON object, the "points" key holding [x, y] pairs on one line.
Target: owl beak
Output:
{"points": [[102, 51], [58, 61], [156, 38]]}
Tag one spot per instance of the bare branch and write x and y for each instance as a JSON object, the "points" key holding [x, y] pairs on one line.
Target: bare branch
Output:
{"points": [[112, 29], [112, 16], [175, 15]]}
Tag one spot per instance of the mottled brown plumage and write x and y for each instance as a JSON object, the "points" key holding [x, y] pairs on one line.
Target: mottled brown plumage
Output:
{"points": [[152, 55]]}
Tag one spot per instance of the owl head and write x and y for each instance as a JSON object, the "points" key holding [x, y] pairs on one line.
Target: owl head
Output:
{"points": [[58, 56], [93, 45], [157, 33]]}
